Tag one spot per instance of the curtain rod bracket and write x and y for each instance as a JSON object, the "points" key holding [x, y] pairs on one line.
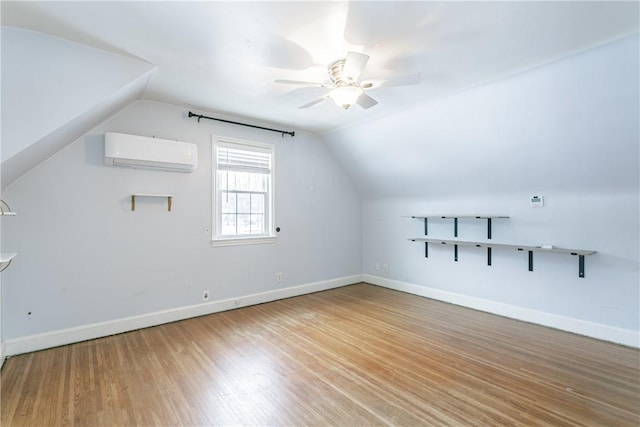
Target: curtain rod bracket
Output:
{"points": [[283, 132]]}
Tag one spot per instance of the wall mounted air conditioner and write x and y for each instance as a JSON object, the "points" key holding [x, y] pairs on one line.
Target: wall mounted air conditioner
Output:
{"points": [[149, 153]]}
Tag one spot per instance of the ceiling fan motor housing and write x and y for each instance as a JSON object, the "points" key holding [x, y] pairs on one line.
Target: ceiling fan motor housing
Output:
{"points": [[336, 70]]}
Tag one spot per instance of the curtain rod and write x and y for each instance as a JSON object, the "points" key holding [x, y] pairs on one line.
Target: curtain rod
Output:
{"points": [[283, 132]]}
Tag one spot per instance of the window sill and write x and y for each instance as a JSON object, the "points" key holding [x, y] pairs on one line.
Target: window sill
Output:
{"points": [[243, 241]]}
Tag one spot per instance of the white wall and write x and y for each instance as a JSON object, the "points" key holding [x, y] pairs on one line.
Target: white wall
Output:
{"points": [[569, 131], [85, 258], [608, 223], [1, 248]]}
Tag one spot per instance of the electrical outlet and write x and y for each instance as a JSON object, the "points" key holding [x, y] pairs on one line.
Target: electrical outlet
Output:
{"points": [[205, 296], [385, 268], [279, 277], [377, 266]]}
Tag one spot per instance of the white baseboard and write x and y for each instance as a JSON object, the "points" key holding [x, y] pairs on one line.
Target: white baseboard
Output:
{"points": [[590, 329], [2, 354], [57, 338], [82, 333]]}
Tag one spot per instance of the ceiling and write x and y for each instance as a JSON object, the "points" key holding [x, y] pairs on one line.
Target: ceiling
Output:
{"points": [[225, 56]]}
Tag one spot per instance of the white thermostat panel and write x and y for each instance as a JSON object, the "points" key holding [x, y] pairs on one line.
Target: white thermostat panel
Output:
{"points": [[536, 201]]}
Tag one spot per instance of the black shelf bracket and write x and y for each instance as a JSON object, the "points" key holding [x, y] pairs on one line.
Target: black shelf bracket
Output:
{"points": [[580, 265], [530, 258]]}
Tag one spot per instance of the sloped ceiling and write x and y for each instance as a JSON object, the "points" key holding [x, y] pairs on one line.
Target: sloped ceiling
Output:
{"points": [[54, 90], [224, 56], [572, 126]]}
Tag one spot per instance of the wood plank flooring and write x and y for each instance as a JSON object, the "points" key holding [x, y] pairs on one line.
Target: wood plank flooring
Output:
{"points": [[354, 356]]}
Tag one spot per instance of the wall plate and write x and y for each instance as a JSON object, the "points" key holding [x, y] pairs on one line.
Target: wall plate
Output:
{"points": [[536, 201]]}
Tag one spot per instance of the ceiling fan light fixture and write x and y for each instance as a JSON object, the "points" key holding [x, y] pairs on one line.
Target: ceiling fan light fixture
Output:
{"points": [[346, 87], [345, 96]]}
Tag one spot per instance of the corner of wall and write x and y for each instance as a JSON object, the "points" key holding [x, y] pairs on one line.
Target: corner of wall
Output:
{"points": [[595, 330], [2, 355]]}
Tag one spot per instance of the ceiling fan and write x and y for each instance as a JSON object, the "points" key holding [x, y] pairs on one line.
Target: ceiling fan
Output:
{"points": [[346, 88]]}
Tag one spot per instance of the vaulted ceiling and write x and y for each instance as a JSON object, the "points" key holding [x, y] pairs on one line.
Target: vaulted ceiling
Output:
{"points": [[225, 56]]}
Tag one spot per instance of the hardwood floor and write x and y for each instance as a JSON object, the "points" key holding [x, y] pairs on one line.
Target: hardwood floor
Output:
{"points": [[358, 355]]}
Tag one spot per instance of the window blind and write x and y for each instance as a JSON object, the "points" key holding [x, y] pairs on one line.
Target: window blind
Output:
{"points": [[243, 160]]}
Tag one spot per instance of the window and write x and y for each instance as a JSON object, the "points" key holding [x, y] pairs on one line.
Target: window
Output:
{"points": [[243, 181]]}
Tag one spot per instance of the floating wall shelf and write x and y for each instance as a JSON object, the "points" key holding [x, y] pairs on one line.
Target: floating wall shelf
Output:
{"points": [[169, 198], [530, 249], [457, 217]]}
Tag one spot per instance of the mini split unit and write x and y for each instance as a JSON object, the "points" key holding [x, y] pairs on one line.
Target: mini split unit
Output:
{"points": [[149, 153]]}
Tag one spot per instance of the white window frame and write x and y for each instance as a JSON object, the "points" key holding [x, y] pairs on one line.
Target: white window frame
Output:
{"points": [[270, 236]]}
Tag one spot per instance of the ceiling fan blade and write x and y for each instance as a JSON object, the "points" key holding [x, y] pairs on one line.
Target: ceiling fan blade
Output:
{"points": [[404, 80], [299, 82], [370, 23], [279, 52], [365, 101], [354, 64], [272, 51], [312, 103]]}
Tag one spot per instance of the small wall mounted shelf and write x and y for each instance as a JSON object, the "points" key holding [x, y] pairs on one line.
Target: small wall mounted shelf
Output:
{"points": [[5, 259], [530, 249], [169, 198], [5, 210], [455, 218]]}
